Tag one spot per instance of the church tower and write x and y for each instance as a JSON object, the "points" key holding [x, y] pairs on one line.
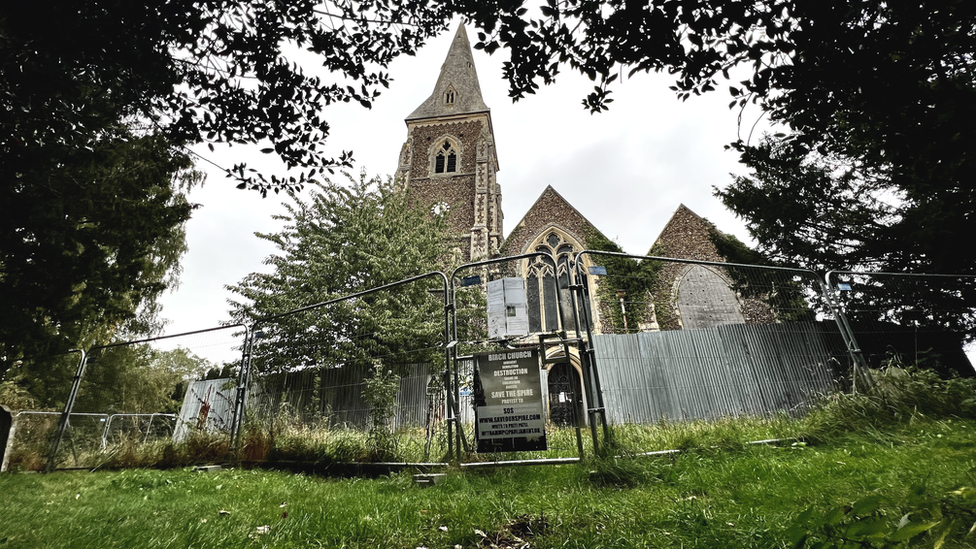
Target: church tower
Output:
{"points": [[448, 161]]}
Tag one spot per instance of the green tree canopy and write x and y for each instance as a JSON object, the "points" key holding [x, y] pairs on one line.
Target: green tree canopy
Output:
{"points": [[198, 71], [878, 97], [341, 241], [89, 239]]}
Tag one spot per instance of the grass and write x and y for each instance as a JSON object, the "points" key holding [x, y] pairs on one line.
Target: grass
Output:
{"points": [[318, 444], [721, 497], [847, 475]]}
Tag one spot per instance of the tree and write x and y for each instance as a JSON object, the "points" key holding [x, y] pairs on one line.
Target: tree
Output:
{"points": [[199, 72], [97, 100], [134, 378], [89, 239], [137, 379], [882, 90], [817, 214], [344, 240], [225, 70]]}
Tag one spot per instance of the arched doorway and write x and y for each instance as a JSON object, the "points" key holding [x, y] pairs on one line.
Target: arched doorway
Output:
{"points": [[565, 395]]}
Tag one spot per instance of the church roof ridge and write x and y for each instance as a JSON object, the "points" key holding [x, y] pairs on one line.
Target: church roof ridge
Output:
{"points": [[457, 90], [550, 188]]}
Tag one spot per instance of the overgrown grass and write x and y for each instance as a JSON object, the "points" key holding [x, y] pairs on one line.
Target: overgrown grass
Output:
{"points": [[899, 396], [747, 497], [903, 454]]}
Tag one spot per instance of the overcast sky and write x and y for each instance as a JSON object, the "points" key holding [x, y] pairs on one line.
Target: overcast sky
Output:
{"points": [[626, 170]]}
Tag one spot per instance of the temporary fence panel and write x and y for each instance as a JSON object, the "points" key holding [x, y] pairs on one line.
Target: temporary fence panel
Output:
{"points": [[122, 428], [909, 319], [533, 312], [49, 381], [32, 432], [717, 372], [683, 340], [131, 383], [343, 371], [335, 395]]}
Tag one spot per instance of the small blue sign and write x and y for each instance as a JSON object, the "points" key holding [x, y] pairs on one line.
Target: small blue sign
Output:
{"points": [[470, 280], [597, 270]]}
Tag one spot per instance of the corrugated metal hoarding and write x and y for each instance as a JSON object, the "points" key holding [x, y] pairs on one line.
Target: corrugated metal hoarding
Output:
{"points": [[727, 371]]}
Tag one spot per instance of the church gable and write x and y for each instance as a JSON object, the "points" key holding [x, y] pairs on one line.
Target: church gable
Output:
{"points": [[686, 236], [698, 296], [551, 212]]}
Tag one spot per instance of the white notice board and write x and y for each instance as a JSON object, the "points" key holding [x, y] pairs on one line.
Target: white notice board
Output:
{"points": [[508, 314]]}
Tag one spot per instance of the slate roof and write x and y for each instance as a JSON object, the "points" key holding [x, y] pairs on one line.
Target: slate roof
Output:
{"points": [[458, 71]]}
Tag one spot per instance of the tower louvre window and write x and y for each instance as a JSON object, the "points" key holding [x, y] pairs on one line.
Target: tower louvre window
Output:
{"points": [[449, 97], [445, 161]]}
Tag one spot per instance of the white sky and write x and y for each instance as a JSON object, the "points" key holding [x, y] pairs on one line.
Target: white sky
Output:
{"points": [[626, 170]]}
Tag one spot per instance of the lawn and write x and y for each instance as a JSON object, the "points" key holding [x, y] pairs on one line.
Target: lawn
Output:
{"points": [[728, 496]]}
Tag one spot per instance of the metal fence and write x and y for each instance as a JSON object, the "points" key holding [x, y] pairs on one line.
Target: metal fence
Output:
{"points": [[311, 369], [134, 387], [623, 341], [678, 340], [548, 319], [898, 318]]}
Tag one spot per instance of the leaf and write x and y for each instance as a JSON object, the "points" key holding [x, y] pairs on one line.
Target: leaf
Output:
{"points": [[867, 528], [836, 515], [797, 536], [911, 530], [866, 506]]}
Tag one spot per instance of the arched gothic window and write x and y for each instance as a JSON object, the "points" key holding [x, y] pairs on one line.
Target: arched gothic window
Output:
{"points": [[546, 289], [445, 161]]}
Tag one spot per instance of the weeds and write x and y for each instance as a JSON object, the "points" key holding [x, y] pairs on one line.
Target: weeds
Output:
{"points": [[752, 497], [899, 396], [379, 392]]}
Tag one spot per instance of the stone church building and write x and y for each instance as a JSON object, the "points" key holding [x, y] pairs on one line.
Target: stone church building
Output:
{"points": [[449, 162]]}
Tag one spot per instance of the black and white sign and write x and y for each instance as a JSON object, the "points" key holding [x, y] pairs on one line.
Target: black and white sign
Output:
{"points": [[509, 412]]}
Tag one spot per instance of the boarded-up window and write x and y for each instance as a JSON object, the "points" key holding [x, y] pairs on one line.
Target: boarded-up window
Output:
{"points": [[533, 301], [706, 301], [549, 295]]}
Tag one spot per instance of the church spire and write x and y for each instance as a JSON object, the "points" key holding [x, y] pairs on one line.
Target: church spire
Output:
{"points": [[449, 163], [457, 90]]}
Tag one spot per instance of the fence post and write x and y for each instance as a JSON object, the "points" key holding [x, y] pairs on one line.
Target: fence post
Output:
{"points": [[68, 406], [8, 426], [588, 357], [240, 398], [858, 363], [450, 346], [108, 425]]}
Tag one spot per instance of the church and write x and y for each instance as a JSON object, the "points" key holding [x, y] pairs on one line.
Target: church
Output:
{"points": [[448, 163]]}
